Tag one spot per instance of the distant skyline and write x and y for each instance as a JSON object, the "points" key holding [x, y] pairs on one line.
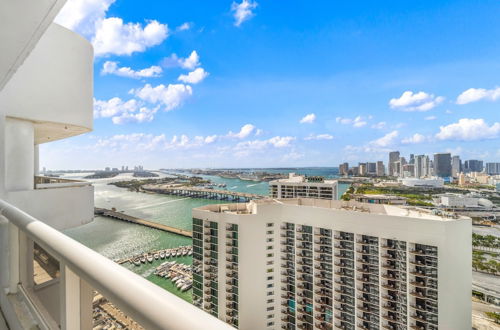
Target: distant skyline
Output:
{"points": [[285, 84]]}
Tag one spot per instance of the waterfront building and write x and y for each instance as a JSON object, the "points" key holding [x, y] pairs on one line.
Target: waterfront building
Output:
{"points": [[380, 168], [473, 165], [47, 279], [301, 186], [492, 168], [456, 166], [379, 199], [354, 170], [371, 168], [442, 165], [425, 183], [393, 158], [318, 264], [363, 170], [344, 169]]}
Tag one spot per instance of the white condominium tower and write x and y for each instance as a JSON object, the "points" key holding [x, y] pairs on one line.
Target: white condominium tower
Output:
{"points": [[301, 186], [319, 264]]}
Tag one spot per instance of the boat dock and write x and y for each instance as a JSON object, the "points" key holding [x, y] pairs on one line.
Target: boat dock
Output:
{"points": [[125, 217], [198, 192]]}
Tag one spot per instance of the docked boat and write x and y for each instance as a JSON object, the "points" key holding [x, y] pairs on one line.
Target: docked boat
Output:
{"points": [[156, 255], [162, 254], [190, 252], [143, 259], [149, 258], [167, 254]]}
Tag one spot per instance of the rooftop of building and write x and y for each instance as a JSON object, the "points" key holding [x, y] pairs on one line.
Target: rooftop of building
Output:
{"points": [[295, 178], [348, 206], [375, 196]]}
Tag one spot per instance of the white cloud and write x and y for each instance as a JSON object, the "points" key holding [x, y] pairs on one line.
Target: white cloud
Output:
{"points": [[477, 94], [245, 131], [276, 142], [193, 77], [114, 37], [82, 15], [122, 112], [243, 11], [319, 137], [469, 130], [430, 118], [111, 67], [386, 140], [414, 139], [184, 26], [308, 119], [357, 122], [189, 63], [171, 96], [380, 125], [210, 139], [420, 101]]}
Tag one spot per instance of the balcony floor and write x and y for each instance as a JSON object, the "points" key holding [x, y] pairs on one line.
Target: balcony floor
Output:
{"points": [[3, 325]]}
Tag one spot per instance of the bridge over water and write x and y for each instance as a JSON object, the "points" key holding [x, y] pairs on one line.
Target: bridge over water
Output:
{"points": [[198, 192]]}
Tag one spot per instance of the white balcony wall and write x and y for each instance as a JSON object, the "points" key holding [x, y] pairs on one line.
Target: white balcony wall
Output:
{"points": [[19, 151], [68, 206], [53, 88], [22, 23]]}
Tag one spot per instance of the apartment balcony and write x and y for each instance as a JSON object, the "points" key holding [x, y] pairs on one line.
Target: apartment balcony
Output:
{"points": [[81, 271]]}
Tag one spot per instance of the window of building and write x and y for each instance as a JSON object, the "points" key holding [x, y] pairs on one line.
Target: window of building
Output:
{"points": [[270, 262], [270, 278], [269, 255], [270, 224], [269, 247], [270, 324], [270, 293], [270, 316], [270, 308], [270, 285], [270, 232], [270, 301]]}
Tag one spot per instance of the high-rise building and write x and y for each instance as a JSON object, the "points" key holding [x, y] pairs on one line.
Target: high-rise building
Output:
{"points": [[302, 186], [492, 168], [363, 170], [371, 168], [408, 171], [473, 165], [344, 169], [421, 166], [317, 264], [442, 165], [456, 166], [393, 158], [380, 169], [412, 159]]}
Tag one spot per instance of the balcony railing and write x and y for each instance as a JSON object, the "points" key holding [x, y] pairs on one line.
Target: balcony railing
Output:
{"points": [[149, 305], [45, 182]]}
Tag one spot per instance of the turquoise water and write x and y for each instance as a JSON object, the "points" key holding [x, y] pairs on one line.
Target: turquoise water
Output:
{"points": [[117, 239]]}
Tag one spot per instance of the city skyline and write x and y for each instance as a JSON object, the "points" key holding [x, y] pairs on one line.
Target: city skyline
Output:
{"points": [[169, 90]]}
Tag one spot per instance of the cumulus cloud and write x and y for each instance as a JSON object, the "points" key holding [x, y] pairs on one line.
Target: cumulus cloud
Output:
{"points": [[170, 96], [189, 63], [110, 67], [193, 77], [243, 11], [414, 139], [380, 125], [122, 112], [318, 137], [477, 94], [184, 26], [82, 15], [386, 140], [308, 119], [114, 37], [244, 132], [420, 101], [469, 130], [357, 122], [276, 142]]}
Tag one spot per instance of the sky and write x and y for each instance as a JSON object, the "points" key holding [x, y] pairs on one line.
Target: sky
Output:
{"points": [[185, 83]]}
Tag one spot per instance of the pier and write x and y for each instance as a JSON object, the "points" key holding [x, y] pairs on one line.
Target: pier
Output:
{"points": [[197, 192], [125, 217]]}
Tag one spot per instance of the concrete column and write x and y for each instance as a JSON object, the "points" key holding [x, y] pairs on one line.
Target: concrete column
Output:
{"points": [[70, 299], [36, 162], [19, 155], [13, 258]]}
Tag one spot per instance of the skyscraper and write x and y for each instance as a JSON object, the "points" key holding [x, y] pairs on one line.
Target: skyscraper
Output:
{"points": [[442, 164], [317, 264], [473, 165], [493, 168], [456, 166], [380, 168], [393, 158], [344, 169]]}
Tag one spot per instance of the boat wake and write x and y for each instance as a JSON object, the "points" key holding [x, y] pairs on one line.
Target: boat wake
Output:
{"points": [[255, 184], [158, 204]]}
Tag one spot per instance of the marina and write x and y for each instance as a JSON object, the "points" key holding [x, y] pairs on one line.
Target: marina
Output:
{"points": [[149, 257]]}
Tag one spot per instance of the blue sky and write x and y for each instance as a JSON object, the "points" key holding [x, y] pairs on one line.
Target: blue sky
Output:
{"points": [[285, 83]]}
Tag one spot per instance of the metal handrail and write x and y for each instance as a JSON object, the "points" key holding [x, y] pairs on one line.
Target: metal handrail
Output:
{"points": [[148, 304]]}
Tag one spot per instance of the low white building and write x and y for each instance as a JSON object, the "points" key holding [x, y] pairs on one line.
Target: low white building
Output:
{"points": [[425, 183], [302, 186], [320, 264], [456, 200]]}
